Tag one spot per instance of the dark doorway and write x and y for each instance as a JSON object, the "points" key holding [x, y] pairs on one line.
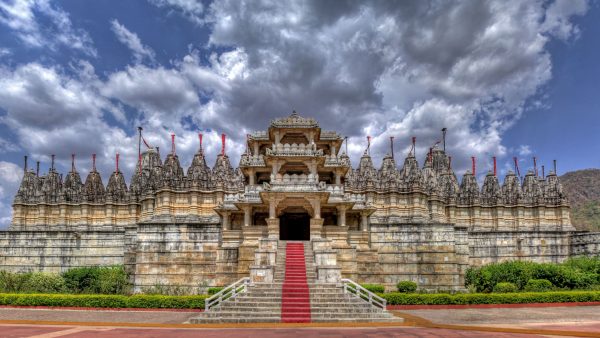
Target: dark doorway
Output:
{"points": [[294, 227]]}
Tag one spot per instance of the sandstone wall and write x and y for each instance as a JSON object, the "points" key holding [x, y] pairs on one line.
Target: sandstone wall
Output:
{"points": [[537, 246], [431, 254], [585, 243], [176, 254], [58, 251]]}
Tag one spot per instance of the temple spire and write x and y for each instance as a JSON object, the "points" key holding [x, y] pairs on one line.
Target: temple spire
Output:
{"points": [[392, 145], [52, 163], [444, 137], [473, 165], [494, 159], [93, 162], [117, 163], [72, 163], [25, 165]]}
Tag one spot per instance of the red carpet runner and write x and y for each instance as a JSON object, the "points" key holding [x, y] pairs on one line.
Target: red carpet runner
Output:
{"points": [[295, 299]]}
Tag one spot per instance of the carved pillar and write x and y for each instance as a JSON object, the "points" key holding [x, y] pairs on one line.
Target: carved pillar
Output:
{"points": [[338, 178], [255, 144], [251, 177], [341, 215], [247, 214], [272, 208], [273, 227], [364, 222], [226, 221]]}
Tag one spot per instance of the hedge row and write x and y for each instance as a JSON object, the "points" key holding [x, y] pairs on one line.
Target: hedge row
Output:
{"points": [[105, 301], [490, 298]]}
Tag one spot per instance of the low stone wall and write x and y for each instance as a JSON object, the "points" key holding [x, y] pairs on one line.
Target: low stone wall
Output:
{"points": [[184, 255], [536, 246], [430, 254], [58, 251], [585, 243]]}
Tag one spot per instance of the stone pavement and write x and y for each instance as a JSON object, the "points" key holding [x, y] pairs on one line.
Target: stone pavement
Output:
{"points": [[581, 321]]}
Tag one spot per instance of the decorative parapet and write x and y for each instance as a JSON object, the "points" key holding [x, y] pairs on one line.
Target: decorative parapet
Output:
{"points": [[337, 161], [295, 185], [252, 161], [252, 193], [335, 190], [294, 121], [330, 135], [260, 135], [294, 150]]}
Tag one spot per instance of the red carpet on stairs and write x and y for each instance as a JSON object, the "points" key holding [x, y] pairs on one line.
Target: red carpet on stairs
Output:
{"points": [[295, 298]]}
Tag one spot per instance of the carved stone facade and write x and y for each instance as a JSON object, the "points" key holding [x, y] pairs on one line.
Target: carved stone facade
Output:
{"points": [[202, 227]]}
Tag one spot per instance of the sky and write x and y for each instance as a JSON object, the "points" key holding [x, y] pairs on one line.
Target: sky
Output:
{"points": [[506, 78]]}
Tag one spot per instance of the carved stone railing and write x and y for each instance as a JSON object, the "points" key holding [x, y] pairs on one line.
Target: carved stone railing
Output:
{"points": [[329, 135], [259, 135], [354, 289], [335, 190], [295, 186], [252, 161], [294, 150], [229, 292], [252, 193], [337, 161]]}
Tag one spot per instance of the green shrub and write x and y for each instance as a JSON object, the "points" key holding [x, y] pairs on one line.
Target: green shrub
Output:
{"points": [[97, 279], [104, 301], [165, 290], [82, 280], [397, 298], [113, 280], [505, 287], [538, 285], [13, 282], [42, 282], [575, 273], [214, 290], [406, 286], [375, 288]]}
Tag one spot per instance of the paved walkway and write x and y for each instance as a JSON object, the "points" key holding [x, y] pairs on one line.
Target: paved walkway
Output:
{"points": [[500, 322]]}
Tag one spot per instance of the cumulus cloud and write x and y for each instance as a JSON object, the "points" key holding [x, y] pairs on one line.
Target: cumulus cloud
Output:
{"points": [[132, 41], [10, 177], [25, 17], [382, 69], [191, 9]]}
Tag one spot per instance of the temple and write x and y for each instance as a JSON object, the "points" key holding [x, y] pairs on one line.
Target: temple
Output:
{"points": [[205, 226]]}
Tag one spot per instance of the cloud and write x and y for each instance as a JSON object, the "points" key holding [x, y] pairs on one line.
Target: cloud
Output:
{"points": [[10, 178], [38, 23], [132, 41], [384, 69], [191, 9]]}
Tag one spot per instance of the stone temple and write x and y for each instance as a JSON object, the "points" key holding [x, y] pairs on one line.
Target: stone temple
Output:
{"points": [[205, 226]]}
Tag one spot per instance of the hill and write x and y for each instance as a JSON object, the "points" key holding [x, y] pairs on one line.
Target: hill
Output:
{"points": [[582, 187]]}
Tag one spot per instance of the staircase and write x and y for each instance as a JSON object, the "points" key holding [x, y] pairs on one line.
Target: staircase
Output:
{"points": [[294, 296]]}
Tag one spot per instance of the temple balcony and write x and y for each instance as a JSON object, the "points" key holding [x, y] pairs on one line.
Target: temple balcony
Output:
{"points": [[297, 150], [252, 161], [337, 161]]}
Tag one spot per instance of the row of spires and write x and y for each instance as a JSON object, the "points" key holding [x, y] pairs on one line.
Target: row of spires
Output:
{"points": [[438, 179], [150, 175]]}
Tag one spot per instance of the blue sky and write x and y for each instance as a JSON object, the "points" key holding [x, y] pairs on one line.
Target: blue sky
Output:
{"points": [[507, 78]]}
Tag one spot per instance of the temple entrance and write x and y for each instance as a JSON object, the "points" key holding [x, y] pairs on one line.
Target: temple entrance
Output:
{"points": [[294, 227]]}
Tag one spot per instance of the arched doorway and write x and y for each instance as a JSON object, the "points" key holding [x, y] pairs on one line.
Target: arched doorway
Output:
{"points": [[294, 226]]}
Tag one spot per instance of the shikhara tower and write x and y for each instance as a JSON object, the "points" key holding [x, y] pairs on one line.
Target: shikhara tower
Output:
{"points": [[202, 226]]}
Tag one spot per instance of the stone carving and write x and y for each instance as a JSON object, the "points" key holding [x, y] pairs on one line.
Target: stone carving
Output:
{"points": [[532, 192], [469, 190], [511, 189], [491, 194], [116, 190]]}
